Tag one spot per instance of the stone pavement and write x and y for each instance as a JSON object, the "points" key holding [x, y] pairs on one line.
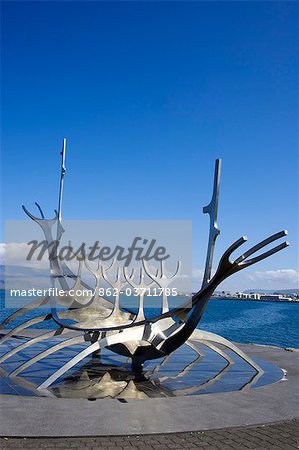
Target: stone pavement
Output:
{"points": [[47, 417], [280, 436]]}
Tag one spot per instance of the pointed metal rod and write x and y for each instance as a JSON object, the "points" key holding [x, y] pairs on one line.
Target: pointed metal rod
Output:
{"points": [[60, 229], [212, 210], [63, 170]]}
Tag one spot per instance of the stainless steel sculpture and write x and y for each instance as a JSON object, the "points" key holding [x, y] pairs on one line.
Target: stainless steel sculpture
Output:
{"points": [[126, 333]]}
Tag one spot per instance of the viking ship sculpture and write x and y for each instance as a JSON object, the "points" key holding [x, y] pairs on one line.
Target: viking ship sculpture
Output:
{"points": [[103, 323]]}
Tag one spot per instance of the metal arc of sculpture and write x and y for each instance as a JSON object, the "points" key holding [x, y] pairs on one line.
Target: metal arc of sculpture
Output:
{"points": [[121, 330]]}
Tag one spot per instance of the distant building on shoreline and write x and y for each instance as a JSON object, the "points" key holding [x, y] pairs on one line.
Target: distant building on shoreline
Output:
{"points": [[252, 295], [261, 296]]}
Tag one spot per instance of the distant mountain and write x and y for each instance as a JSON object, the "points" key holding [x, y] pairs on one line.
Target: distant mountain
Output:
{"points": [[287, 292], [24, 271], [21, 277]]}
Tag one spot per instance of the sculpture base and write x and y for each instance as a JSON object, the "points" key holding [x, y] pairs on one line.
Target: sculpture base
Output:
{"points": [[187, 371]]}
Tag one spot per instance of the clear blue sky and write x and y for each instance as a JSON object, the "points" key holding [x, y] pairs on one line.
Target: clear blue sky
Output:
{"points": [[148, 95]]}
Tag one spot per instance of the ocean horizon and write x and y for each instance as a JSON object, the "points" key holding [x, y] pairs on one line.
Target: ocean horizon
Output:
{"points": [[248, 322]]}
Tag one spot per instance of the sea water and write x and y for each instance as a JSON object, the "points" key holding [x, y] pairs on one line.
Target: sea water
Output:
{"points": [[255, 322]]}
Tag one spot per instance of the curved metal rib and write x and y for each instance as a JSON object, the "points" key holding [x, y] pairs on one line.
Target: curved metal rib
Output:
{"points": [[24, 325], [205, 384], [49, 351], [187, 368], [126, 336], [207, 336], [26, 308], [31, 342], [217, 350]]}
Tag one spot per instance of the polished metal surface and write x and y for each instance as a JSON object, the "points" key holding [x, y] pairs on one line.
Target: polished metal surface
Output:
{"points": [[105, 324], [162, 280], [212, 210], [185, 372]]}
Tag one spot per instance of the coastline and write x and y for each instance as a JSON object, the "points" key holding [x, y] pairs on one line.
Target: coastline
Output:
{"points": [[217, 297], [254, 300]]}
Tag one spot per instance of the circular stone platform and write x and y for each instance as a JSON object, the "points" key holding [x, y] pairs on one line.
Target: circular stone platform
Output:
{"points": [[187, 371], [169, 400]]}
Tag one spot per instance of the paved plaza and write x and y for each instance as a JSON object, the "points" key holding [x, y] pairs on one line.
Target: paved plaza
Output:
{"points": [[64, 417], [282, 436], [261, 418]]}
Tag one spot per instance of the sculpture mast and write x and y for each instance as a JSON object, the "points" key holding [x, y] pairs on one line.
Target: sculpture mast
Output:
{"points": [[60, 229], [212, 210]]}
